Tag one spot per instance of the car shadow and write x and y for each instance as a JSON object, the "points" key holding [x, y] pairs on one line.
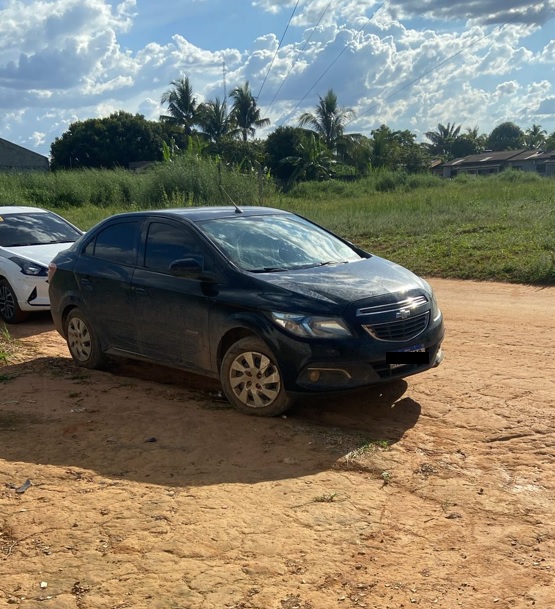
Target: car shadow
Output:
{"points": [[380, 411], [37, 323], [151, 424], [377, 411]]}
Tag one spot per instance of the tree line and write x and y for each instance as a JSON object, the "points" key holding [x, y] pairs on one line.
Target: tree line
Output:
{"points": [[317, 148]]}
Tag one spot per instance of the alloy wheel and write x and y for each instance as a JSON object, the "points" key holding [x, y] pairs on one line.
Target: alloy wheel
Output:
{"points": [[7, 302]]}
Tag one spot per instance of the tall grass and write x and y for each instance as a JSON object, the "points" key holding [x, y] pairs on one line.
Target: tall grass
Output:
{"points": [[187, 181], [500, 227]]}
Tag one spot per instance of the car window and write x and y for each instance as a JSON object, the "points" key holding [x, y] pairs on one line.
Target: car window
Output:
{"points": [[22, 229], [166, 243], [272, 242], [116, 243]]}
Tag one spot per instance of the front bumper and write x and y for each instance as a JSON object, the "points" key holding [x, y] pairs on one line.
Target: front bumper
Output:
{"points": [[31, 292], [314, 366], [333, 376]]}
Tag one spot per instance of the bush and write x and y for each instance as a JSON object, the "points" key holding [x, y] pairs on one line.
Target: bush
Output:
{"points": [[516, 176]]}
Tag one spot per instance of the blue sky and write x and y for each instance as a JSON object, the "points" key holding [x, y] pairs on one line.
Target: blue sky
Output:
{"points": [[409, 64]]}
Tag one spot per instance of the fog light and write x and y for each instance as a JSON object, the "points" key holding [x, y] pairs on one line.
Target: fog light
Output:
{"points": [[314, 376]]}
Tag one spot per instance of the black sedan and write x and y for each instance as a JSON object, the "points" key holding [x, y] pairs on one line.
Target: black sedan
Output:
{"points": [[268, 302]]}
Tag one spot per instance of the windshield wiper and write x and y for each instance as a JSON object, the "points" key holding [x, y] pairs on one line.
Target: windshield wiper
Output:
{"points": [[268, 269], [318, 264], [280, 269]]}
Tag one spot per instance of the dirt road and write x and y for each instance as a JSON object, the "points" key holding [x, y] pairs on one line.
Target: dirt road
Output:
{"points": [[149, 492]]}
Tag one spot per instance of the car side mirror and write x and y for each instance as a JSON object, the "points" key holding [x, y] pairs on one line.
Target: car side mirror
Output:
{"points": [[187, 267]]}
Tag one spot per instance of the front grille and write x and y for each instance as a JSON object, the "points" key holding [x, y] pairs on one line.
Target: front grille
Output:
{"points": [[402, 330], [393, 307]]}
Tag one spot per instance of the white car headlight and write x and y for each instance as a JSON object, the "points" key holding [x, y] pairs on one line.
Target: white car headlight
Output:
{"points": [[312, 326], [29, 268]]}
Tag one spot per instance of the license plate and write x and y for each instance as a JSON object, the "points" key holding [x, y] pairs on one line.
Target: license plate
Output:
{"points": [[415, 354]]}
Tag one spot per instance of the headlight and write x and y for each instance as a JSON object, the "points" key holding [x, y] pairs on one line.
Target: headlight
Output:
{"points": [[309, 326], [436, 313], [30, 268]]}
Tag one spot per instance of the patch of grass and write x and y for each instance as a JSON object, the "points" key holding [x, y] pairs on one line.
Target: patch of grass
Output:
{"points": [[386, 477], [325, 498], [369, 447], [492, 228], [8, 346], [368, 456]]}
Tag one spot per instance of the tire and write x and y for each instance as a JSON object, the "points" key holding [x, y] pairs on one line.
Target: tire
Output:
{"points": [[82, 341], [251, 379], [9, 307]]}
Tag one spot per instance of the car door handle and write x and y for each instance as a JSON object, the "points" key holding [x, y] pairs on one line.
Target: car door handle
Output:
{"points": [[86, 283], [140, 291]]}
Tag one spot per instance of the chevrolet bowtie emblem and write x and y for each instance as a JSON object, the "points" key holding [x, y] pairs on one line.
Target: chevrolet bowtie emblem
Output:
{"points": [[403, 314]]}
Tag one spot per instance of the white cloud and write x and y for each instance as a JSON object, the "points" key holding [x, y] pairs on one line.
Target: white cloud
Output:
{"points": [[37, 138], [56, 44], [480, 11], [67, 60], [150, 109]]}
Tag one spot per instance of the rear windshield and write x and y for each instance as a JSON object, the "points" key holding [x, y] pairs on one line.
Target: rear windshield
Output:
{"points": [[35, 229], [276, 243]]}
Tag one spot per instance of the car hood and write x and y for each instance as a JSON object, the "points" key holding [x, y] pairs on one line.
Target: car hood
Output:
{"points": [[346, 283], [43, 254]]}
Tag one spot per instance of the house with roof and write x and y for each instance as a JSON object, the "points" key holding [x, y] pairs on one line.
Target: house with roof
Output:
{"points": [[17, 158], [534, 160], [488, 163]]}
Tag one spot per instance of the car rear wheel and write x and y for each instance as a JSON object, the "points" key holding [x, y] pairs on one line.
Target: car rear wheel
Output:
{"points": [[9, 307], [252, 380], [82, 341]]}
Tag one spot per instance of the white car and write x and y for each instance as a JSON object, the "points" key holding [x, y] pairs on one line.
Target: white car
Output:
{"points": [[29, 238]]}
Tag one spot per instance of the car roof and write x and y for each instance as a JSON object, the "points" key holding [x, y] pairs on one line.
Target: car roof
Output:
{"points": [[196, 214], [21, 209]]}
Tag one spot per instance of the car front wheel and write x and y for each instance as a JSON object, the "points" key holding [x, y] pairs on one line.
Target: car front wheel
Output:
{"points": [[9, 307], [252, 380], [82, 341]]}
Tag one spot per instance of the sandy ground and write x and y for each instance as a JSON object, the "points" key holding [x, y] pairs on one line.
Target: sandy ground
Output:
{"points": [[147, 490]]}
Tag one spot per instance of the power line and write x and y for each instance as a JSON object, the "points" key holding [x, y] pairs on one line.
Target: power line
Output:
{"points": [[278, 48], [441, 63], [298, 54], [224, 70], [288, 116]]}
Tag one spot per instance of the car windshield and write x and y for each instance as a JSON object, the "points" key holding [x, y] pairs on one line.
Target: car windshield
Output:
{"points": [[21, 229], [276, 243]]}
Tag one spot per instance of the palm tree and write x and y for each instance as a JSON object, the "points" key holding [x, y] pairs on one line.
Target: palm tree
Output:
{"points": [[479, 140], [182, 105], [443, 139], [214, 120], [245, 112], [329, 120], [313, 162], [535, 137]]}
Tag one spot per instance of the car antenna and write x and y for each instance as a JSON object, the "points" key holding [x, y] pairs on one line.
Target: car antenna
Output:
{"points": [[238, 210]]}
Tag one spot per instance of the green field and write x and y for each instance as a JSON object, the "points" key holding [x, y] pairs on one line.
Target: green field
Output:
{"points": [[489, 228]]}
